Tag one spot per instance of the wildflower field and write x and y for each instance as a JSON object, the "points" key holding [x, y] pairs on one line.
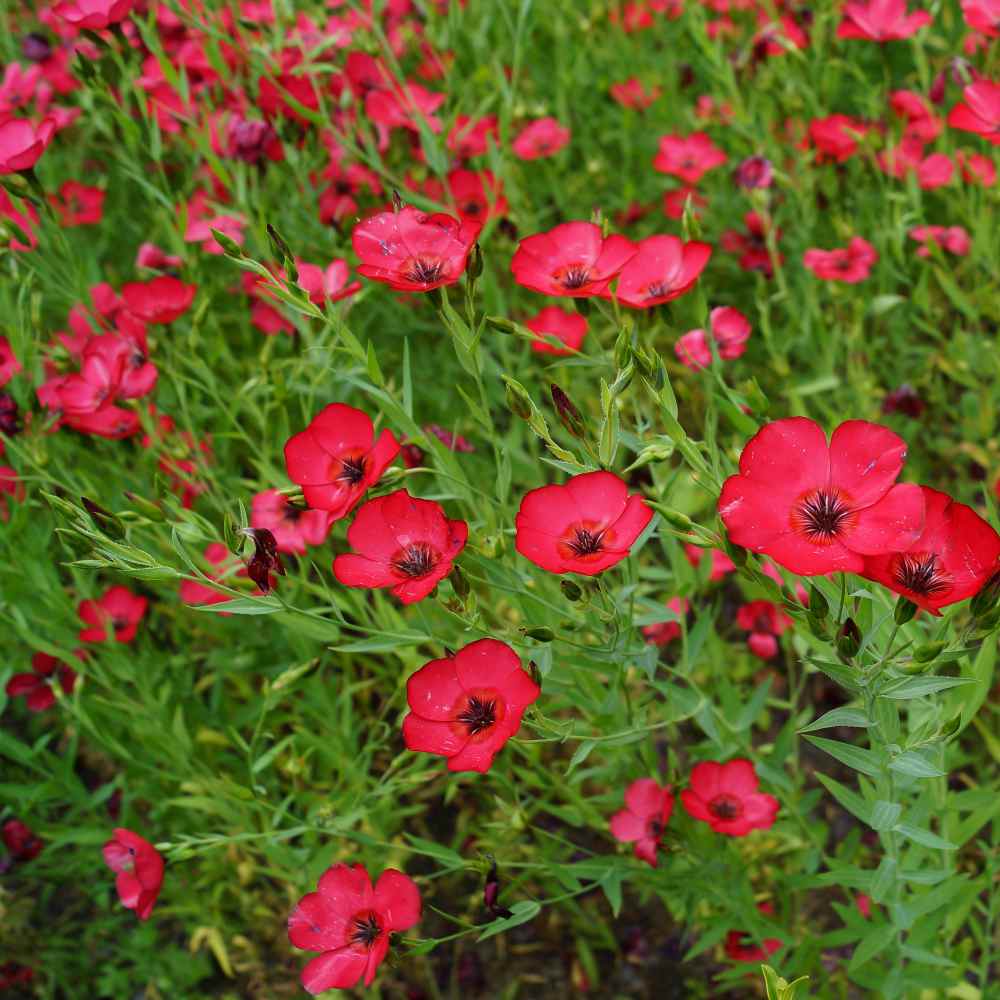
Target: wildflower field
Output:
{"points": [[498, 499]]}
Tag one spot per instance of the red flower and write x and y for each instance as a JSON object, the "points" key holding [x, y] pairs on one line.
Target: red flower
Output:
{"points": [[764, 620], [725, 796], [349, 923], [22, 143], [836, 136], [730, 330], [465, 707], [293, 527], [817, 508], [336, 458], [22, 843], [36, 687], [412, 251], [194, 592], [642, 821], [954, 239], [661, 633], [78, 204], [983, 16], [932, 172], [569, 327], [633, 94], [849, 264], [403, 543], [9, 365], [574, 259], [151, 256], [118, 608], [469, 137], [93, 14], [955, 555], [161, 300], [585, 526], [662, 269], [976, 168], [740, 947], [980, 113], [326, 284], [881, 21], [544, 137], [477, 196], [921, 122], [752, 245], [688, 157], [675, 202], [139, 868], [721, 563], [754, 172]]}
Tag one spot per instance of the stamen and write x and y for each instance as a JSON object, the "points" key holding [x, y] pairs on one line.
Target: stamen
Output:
{"points": [[575, 276], [424, 272], [415, 560], [920, 573], [725, 807], [586, 543], [821, 516], [479, 715], [366, 929], [352, 470]]}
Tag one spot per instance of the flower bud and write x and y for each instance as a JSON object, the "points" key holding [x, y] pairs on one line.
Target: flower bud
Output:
{"points": [[986, 599], [849, 639], [501, 324], [229, 246], [518, 400], [148, 508], [475, 267], [928, 651], [569, 415], [623, 348], [103, 519], [571, 591], [819, 607], [754, 172], [905, 610], [540, 633], [459, 582]]}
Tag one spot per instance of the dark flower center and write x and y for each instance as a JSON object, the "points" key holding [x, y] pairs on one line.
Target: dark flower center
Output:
{"points": [[479, 715], [574, 276], [290, 514], [352, 470], [585, 542], [424, 272], [365, 929], [657, 289], [415, 560], [920, 573], [725, 807], [821, 516], [472, 208]]}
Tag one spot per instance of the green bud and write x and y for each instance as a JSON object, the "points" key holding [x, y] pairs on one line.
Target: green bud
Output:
{"points": [[816, 626], [913, 667], [905, 610], [986, 599], [540, 633], [849, 639], [928, 651], [103, 519], [148, 508], [501, 324], [757, 400], [623, 380], [475, 268], [949, 729], [572, 591], [229, 246], [674, 517], [518, 400], [819, 607], [623, 348], [459, 582], [279, 247]]}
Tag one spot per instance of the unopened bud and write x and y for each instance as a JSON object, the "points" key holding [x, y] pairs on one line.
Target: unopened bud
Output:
{"points": [[819, 607], [148, 508], [501, 324], [572, 591], [518, 400], [986, 599], [623, 348], [103, 519], [459, 582], [475, 268], [905, 610], [849, 639], [229, 246], [540, 633], [928, 651], [569, 415]]}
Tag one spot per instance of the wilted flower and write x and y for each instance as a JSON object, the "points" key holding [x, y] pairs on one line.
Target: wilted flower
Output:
{"points": [[139, 869]]}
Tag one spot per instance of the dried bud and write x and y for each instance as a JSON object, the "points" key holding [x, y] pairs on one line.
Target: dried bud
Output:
{"points": [[265, 558], [904, 400], [569, 415], [491, 893]]}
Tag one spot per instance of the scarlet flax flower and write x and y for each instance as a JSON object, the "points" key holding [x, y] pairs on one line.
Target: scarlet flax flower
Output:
{"points": [[161, 300], [954, 239], [337, 458], [881, 21], [765, 621], [979, 112], [661, 633], [644, 818], [22, 843], [740, 947], [849, 264], [465, 707], [585, 526], [688, 157], [348, 922], [730, 331], [663, 268], [22, 143], [413, 251], [36, 687], [956, 553], [569, 327], [403, 543], [726, 797], [815, 507], [117, 610], [139, 869], [293, 527], [542, 138], [573, 259]]}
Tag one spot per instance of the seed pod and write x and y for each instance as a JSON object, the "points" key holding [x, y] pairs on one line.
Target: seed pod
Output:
{"points": [[928, 651], [518, 400]]}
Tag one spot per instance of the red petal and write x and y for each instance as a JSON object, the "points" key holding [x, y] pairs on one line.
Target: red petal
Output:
{"points": [[434, 689], [865, 460], [397, 899], [646, 798], [334, 970], [627, 827], [485, 663], [790, 456], [891, 525], [426, 736], [318, 924]]}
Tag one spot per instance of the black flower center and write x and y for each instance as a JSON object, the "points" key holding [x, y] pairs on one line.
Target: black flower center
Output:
{"points": [[585, 542], [365, 929], [575, 276], [725, 807], [821, 516], [920, 573], [658, 288], [479, 714], [352, 470], [424, 272], [415, 560]]}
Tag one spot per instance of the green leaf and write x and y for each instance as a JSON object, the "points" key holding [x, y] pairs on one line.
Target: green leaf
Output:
{"points": [[435, 850], [885, 879], [853, 717], [580, 755], [924, 837], [885, 815], [851, 801], [873, 943], [915, 765], [243, 606], [611, 884], [523, 911], [854, 757], [917, 687]]}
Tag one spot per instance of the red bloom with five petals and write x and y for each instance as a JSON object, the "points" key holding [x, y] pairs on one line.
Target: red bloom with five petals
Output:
{"points": [[336, 458], [36, 687], [119, 609], [642, 821], [881, 21], [662, 269], [849, 264], [817, 508], [725, 796], [980, 113], [541, 138], [765, 621], [349, 923], [403, 543], [688, 157], [161, 300], [569, 327], [584, 526], [465, 707], [139, 868], [293, 527]]}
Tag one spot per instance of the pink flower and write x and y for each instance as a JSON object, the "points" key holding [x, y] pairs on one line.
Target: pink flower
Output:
{"points": [[664, 632], [22, 143], [118, 610], [642, 821], [161, 300], [569, 327], [726, 797], [466, 706], [688, 157], [293, 527], [574, 259], [632, 93], [881, 21], [979, 114], [326, 284], [139, 869], [730, 330], [544, 137], [9, 365], [469, 137], [764, 620], [663, 268], [850, 264], [93, 14], [983, 16], [954, 239], [836, 137]]}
